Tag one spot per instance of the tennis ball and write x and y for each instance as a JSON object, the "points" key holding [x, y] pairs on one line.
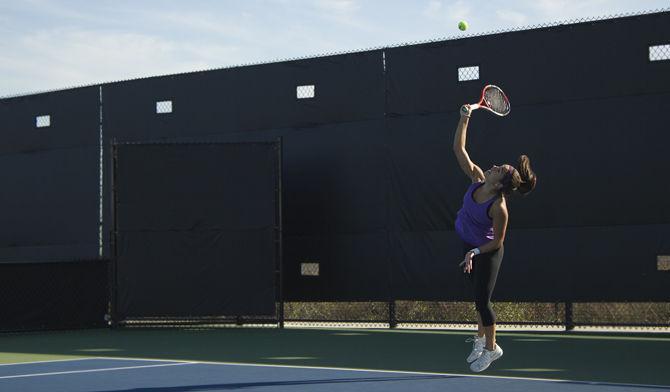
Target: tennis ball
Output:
{"points": [[462, 25]]}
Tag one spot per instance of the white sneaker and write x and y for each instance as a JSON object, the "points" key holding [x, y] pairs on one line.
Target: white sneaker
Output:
{"points": [[483, 362], [477, 347]]}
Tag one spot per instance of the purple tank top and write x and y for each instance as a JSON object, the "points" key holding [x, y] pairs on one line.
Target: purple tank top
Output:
{"points": [[473, 224]]}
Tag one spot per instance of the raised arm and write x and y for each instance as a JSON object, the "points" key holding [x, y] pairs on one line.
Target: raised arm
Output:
{"points": [[469, 168]]}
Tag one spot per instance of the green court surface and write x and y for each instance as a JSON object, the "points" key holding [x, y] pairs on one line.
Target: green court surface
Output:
{"points": [[616, 358]]}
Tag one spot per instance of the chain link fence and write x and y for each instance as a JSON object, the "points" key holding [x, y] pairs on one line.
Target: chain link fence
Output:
{"points": [[53, 295], [659, 52], [446, 314]]}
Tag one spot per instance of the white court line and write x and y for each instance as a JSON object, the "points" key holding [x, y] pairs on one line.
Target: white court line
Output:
{"points": [[176, 362], [96, 370], [555, 380], [141, 359], [88, 359], [47, 361]]}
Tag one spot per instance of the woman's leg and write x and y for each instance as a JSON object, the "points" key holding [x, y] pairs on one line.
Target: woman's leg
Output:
{"points": [[490, 333], [485, 270], [480, 326]]}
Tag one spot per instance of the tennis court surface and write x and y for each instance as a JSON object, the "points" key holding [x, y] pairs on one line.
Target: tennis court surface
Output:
{"points": [[327, 360], [107, 374]]}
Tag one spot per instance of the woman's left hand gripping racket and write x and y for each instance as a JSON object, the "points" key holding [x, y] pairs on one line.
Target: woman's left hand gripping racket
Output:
{"points": [[494, 100]]}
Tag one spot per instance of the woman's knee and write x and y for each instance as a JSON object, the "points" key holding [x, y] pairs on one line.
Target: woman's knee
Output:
{"points": [[486, 312], [482, 304]]}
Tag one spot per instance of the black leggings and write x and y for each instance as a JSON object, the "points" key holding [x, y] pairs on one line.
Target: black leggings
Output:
{"points": [[485, 267]]}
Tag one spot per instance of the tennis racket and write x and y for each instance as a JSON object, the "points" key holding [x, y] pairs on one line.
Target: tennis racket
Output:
{"points": [[494, 100]]}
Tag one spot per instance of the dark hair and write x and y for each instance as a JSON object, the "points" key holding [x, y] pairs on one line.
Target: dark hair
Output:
{"points": [[521, 179]]}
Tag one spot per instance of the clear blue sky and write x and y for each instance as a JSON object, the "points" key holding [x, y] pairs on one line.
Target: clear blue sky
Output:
{"points": [[57, 44]]}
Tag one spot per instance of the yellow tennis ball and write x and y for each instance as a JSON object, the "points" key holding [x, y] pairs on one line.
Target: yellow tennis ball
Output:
{"points": [[462, 25]]}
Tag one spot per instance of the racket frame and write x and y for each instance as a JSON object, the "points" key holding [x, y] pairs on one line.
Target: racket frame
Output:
{"points": [[482, 103]]}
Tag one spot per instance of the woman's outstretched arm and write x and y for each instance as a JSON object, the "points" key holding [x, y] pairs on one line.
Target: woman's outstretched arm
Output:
{"points": [[469, 168]]}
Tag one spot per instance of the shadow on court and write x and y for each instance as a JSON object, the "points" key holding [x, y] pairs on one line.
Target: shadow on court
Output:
{"points": [[225, 386]]}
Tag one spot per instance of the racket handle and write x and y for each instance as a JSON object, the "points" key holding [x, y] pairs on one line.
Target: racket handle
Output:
{"points": [[475, 106]]}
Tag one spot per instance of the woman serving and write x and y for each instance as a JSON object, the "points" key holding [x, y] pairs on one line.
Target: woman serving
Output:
{"points": [[481, 224]]}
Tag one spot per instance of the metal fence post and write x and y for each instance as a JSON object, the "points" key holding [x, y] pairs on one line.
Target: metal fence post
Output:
{"points": [[569, 321]]}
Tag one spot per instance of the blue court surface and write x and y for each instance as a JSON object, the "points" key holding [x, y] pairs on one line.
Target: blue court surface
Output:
{"points": [[133, 375]]}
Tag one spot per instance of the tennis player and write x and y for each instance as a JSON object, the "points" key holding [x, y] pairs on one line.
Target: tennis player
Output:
{"points": [[481, 224]]}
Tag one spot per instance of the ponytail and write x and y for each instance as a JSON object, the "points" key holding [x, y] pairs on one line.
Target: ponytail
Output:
{"points": [[522, 179], [527, 179]]}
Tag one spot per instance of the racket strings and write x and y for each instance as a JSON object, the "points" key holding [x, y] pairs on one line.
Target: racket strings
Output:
{"points": [[496, 100]]}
